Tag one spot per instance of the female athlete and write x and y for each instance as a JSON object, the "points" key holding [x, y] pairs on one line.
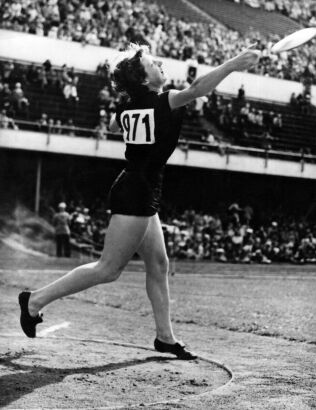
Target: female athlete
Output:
{"points": [[150, 120]]}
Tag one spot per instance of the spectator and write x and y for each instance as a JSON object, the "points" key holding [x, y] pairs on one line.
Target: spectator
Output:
{"points": [[58, 127], [70, 90], [267, 139], [47, 65], [50, 126], [32, 74], [92, 37], [104, 97], [245, 111], [277, 122], [241, 94], [42, 123], [104, 116], [268, 121], [234, 214], [293, 101], [70, 128], [101, 130], [20, 102], [53, 80], [86, 215], [5, 95], [61, 221], [7, 122], [7, 70], [305, 104], [64, 76], [170, 86], [78, 221], [42, 78], [103, 70]]}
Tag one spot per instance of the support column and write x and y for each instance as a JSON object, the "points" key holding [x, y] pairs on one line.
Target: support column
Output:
{"points": [[38, 184]]}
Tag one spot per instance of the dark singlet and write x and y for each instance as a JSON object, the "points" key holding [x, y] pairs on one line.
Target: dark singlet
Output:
{"points": [[151, 132]]}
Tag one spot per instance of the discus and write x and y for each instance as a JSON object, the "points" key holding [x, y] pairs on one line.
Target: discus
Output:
{"points": [[294, 40]]}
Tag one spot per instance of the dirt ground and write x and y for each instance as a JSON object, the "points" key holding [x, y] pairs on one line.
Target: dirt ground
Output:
{"points": [[95, 349]]}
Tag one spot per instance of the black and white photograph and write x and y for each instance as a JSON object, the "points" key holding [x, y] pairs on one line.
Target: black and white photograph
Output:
{"points": [[158, 204]]}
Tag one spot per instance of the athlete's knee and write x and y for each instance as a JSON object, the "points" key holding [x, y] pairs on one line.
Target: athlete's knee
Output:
{"points": [[159, 266], [107, 271]]}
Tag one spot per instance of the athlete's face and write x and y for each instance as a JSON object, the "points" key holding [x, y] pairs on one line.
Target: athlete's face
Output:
{"points": [[153, 68]]}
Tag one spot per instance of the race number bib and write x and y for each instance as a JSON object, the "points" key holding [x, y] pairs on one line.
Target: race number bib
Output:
{"points": [[138, 126]]}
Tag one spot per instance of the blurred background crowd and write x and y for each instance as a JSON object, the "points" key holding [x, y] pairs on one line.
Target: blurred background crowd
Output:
{"points": [[115, 23], [303, 11], [235, 234]]}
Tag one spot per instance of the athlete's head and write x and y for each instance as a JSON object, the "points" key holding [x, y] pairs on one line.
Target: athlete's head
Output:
{"points": [[139, 71]]}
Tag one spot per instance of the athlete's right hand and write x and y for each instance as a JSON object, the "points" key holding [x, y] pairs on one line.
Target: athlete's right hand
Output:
{"points": [[246, 59]]}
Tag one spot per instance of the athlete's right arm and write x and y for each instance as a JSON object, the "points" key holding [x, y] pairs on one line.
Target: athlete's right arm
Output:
{"points": [[206, 83]]}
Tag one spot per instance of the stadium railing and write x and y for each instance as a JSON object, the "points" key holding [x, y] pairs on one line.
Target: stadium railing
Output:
{"points": [[184, 143]]}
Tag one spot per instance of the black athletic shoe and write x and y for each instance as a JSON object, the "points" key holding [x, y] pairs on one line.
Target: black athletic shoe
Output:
{"points": [[28, 322], [178, 349]]}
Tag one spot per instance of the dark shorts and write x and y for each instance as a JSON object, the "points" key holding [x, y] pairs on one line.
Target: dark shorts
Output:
{"points": [[134, 193]]}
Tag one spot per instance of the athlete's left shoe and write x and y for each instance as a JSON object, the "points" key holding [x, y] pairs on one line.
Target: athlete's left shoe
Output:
{"points": [[177, 348], [28, 322]]}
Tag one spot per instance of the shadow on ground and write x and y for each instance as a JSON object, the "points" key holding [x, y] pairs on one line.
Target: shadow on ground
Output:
{"points": [[27, 378]]}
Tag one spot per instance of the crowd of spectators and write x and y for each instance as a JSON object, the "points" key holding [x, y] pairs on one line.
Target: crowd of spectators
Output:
{"points": [[88, 225], [107, 101], [301, 103], [240, 120], [44, 78], [55, 126], [6, 121], [234, 235], [303, 11], [12, 96], [236, 120], [115, 23]]}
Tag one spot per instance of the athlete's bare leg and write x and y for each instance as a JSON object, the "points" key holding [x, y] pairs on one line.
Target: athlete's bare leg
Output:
{"points": [[123, 237], [153, 251]]}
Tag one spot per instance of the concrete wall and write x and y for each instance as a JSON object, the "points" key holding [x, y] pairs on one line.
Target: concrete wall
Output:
{"points": [[240, 162]]}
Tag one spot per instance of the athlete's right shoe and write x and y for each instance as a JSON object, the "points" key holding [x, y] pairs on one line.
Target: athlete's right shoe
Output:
{"points": [[177, 348], [28, 322]]}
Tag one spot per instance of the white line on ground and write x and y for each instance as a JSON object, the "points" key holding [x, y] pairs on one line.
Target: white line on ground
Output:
{"points": [[53, 328]]}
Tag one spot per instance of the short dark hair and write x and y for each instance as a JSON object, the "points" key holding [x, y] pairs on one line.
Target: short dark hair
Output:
{"points": [[129, 74]]}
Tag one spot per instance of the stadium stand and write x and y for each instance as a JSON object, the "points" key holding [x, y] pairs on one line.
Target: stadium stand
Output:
{"points": [[242, 18], [115, 24], [303, 11], [184, 11], [45, 91], [296, 131], [46, 97], [233, 235]]}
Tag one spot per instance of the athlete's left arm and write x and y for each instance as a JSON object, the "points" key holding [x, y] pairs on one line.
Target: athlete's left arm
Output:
{"points": [[204, 84], [114, 127]]}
